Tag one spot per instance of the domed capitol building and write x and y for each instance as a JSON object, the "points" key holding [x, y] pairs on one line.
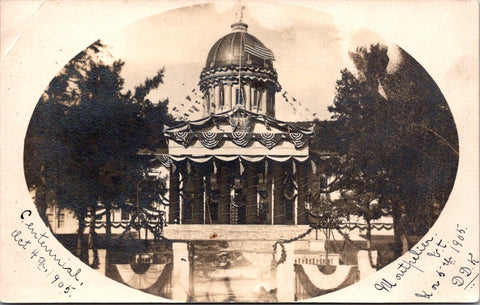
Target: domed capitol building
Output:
{"points": [[238, 164], [236, 221]]}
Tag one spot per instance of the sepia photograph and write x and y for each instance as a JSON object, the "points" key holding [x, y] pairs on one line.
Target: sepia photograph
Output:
{"points": [[247, 151]]}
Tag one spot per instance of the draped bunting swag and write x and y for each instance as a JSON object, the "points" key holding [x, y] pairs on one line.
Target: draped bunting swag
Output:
{"points": [[203, 159], [298, 139], [184, 138], [241, 138], [363, 226], [269, 140], [212, 140], [317, 283]]}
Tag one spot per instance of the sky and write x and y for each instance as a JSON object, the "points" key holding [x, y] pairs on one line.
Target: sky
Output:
{"points": [[310, 46]]}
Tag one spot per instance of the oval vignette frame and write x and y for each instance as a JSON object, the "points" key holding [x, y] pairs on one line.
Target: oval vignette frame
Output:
{"points": [[419, 67]]}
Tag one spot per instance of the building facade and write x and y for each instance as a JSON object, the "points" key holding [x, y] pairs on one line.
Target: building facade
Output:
{"points": [[238, 164]]}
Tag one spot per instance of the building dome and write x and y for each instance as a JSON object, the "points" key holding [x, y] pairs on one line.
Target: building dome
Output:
{"points": [[230, 50], [239, 73]]}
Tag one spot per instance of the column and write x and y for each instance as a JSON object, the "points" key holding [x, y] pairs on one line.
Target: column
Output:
{"points": [[302, 179], [295, 208], [270, 187], [228, 88], [286, 275], [180, 272], [217, 96], [180, 195], [206, 103], [251, 185], [223, 173], [279, 211], [174, 208], [197, 206], [263, 100], [208, 200], [248, 102], [272, 101]]}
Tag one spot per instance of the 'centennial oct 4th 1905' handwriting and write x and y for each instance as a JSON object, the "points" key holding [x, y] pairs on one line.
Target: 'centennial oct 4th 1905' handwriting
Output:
{"points": [[59, 271], [457, 265]]}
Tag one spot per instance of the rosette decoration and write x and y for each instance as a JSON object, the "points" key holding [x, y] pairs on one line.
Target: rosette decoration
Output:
{"points": [[298, 139], [210, 139], [269, 140], [316, 283], [240, 138], [150, 278], [184, 138]]}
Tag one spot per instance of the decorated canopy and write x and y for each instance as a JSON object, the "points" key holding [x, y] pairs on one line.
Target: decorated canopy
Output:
{"points": [[238, 132]]}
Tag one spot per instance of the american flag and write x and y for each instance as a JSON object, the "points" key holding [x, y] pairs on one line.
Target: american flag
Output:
{"points": [[258, 50]]}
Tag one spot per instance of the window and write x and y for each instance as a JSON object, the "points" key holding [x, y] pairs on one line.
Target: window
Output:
{"points": [[255, 98], [125, 214], [61, 219], [238, 97], [50, 220]]}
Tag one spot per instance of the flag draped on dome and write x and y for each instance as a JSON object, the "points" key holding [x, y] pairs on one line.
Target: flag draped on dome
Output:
{"points": [[254, 48]]}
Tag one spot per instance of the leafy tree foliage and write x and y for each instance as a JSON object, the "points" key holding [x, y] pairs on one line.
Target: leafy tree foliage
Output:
{"points": [[397, 140], [84, 136]]}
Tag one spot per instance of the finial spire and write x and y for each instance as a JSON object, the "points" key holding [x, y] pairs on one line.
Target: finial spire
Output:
{"points": [[239, 13]]}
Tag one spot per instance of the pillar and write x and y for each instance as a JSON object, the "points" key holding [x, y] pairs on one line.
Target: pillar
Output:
{"points": [[251, 189], [279, 211], [248, 101], [270, 187], [180, 272], [263, 100], [286, 275], [197, 205], [302, 179], [272, 102], [208, 200], [206, 103], [180, 195], [228, 88], [211, 99], [217, 96], [174, 208], [223, 173]]}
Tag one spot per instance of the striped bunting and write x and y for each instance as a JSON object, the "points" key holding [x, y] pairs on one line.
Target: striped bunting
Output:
{"points": [[210, 139], [240, 138], [269, 140], [184, 138], [298, 139]]}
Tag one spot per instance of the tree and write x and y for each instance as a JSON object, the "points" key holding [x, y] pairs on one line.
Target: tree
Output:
{"points": [[84, 138], [394, 129]]}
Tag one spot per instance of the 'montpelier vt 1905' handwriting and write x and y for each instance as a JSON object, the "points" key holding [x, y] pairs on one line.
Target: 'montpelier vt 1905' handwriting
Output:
{"points": [[443, 252], [405, 266]]}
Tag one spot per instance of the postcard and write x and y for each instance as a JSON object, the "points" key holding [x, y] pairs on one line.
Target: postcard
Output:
{"points": [[239, 151]]}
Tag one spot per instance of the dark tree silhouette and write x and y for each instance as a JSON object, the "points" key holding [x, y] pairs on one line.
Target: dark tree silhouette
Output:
{"points": [[397, 140], [84, 136]]}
